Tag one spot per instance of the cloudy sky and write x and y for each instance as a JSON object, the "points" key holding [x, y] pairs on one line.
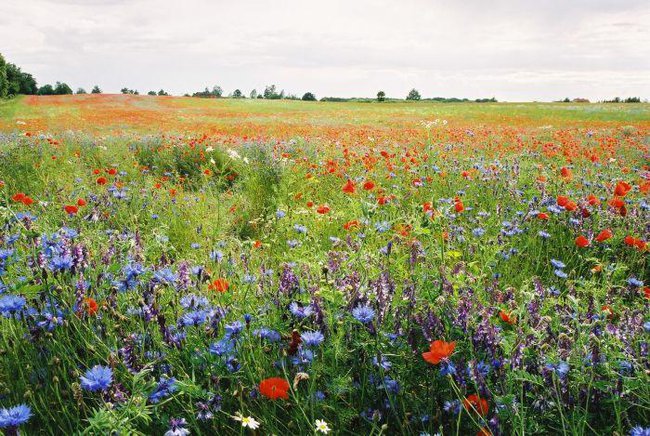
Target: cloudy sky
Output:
{"points": [[514, 50]]}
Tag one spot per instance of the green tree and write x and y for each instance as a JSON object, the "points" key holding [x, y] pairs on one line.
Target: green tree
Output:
{"points": [[46, 90], [4, 83], [253, 93], [381, 96], [96, 90], [413, 95], [270, 92], [217, 91], [62, 88], [151, 93], [308, 96], [237, 94], [162, 92], [81, 91]]}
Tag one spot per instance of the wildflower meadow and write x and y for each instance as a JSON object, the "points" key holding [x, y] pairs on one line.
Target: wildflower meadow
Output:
{"points": [[181, 266]]}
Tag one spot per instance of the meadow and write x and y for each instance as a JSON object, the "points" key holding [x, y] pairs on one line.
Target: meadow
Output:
{"points": [[197, 266]]}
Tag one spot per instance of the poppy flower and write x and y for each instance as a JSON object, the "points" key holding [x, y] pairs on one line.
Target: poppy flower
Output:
{"points": [[18, 197], [101, 180], [439, 350], [629, 240], [622, 188], [604, 235], [351, 224], [81, 202], [96, 171], [323, 209], [27, 201], [71, 209], [566, 173], [582, 242], [474, 402], [646, 291], [593, 200], [542, 216], [112, 171], [458, 205], [616, 202], [349, 187], [369, 185], [219, 285], [274, 388], [505, 317], [562, 200], [90, 306]]}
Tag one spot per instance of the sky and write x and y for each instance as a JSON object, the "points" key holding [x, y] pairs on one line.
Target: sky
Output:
{"points": [[514, 50]]}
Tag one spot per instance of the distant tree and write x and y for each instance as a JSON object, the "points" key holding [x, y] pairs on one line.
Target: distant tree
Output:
{"points": [[260, 96], [45, 90], [96, 90], [308, 96], [270, 92], [20, 82], [381, 96], [217, 91], [129, 91], [413, 95], [81, 91], [237, 94], [253, 93], [4, 83], [162, 92], [566, 100], [124, 90], [62, 88], [151, 93]]}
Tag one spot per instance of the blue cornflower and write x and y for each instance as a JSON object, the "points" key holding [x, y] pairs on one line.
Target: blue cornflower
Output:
{"points": [[166, 386], [543, 234], [216, 256], [561, 369], [61, 263], [452, 406], [300, 228], [633, 281], [478, 232], [280, 214], [195, 317], [13, 417], [165, 275], [98, 378], [383, 363], [363, 314], [192, 301], [267, 334], [640, 431], [293, 243], [447, 368], [557, 264], [300, 312], [234, 329], [224, 347], [561, 274], [646, 326], [382, 227], [11, 304], [312, 339]]}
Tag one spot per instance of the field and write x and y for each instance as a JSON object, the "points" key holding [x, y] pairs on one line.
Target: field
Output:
{"points": [[285, 267]]}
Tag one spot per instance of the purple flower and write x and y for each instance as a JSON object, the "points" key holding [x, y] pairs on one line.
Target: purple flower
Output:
{"points": [[363, 314], [98, 378], [12, 417]]}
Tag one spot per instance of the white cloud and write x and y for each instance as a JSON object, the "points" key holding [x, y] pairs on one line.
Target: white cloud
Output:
{"points": [[514, 50]]}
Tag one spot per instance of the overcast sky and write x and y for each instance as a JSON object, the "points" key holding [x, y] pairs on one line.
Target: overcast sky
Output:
{"points": [[514, 50]]}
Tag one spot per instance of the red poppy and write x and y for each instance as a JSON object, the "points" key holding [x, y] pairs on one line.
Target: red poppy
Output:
{"points": [[566, 173], [506, 317], [593, 200], [646, 291], [81, 202], [439, 350], [351, 224], [474, 402], [96, 171], [71, 209], [27, 201], [369, 185], [458, 205], [562, 200], [349, 187], [323, 209], [101, 180], [622, 188], [274, 388], [219, 285], [112, 171], [616, 202], [18, 197], [542, 216], [90, 306], [582, 242], [604, 235]]}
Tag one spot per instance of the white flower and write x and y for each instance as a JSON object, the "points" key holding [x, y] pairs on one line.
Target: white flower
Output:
{"points": [[322, 426], [209, 149], [233, 154], [246, 421]]}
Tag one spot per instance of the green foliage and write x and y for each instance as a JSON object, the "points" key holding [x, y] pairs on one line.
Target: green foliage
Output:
{"points": [[4, 83], [96, 90], [413, 95], [308, 96], [381, 96]]}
